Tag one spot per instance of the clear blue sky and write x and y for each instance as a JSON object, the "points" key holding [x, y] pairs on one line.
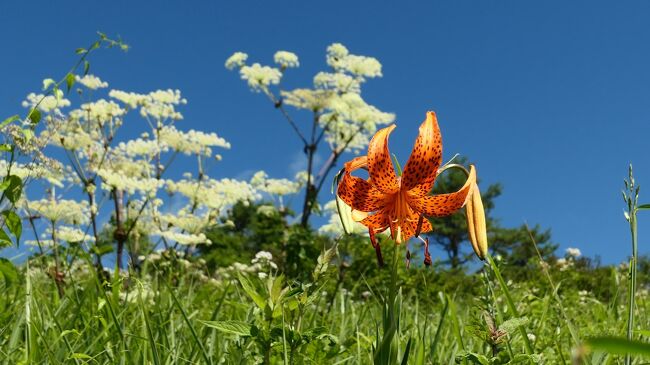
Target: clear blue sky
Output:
{"points": [[550, 98]]}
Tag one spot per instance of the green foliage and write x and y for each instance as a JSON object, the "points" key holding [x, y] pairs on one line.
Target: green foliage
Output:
{"points": [[251, 229]]}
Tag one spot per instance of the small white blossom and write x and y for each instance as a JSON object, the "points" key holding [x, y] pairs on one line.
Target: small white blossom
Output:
{"points": [[47, 104], [286, 59], [92, 82], [573, 252], [238, 59], [260, 77], [65, 211]]}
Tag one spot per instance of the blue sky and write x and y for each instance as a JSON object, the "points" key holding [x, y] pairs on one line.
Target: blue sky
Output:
{"points": [[549, 98]]}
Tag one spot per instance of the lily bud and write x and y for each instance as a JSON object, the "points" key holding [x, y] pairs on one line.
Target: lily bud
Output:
{"points": [[476, 222]]}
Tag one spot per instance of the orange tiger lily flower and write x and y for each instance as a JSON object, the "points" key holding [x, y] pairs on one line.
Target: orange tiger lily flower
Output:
{"points": [[386, 200]]}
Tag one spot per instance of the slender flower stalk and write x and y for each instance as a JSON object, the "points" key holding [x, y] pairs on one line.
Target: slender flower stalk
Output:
{"points": [[631, 198]]}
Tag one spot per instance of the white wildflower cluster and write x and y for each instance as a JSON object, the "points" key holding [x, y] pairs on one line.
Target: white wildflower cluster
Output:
{"points": [[286, 59], [262, 182], [237, 60], [351, 122], [261, 265], [47, 103], [53, 174], [127, 178], [191, 142], [185, 238], [569, 260], [347, 119], [69, 234], [340, 59], [186, 221], [102, 111], [91, 82], [212, 193], [159, 105], [573, 252], [60, 210], [115, 180], [260, 77], [564, 264], [140, 147]]}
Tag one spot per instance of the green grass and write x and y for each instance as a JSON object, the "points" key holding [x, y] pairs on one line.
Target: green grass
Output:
{"points": [[182, 318]]}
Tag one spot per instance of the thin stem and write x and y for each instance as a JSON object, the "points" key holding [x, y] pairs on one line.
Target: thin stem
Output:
{"points": [[632, 290], [278, 105]]}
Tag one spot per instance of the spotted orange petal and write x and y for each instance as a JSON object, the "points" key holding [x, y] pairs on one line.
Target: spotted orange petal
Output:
{"points": [[422, 166], [377, 222], [380, 166], [357, 192], [444, 204]]}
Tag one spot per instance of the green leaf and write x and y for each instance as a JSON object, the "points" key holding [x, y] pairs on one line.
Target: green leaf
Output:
{"points": [[407, 352], [69, 80], [8, 271], [79, 356], [86, 67], [238, 328], [619, 346], [80, 50], [35, 116], [512, 324], [643, 207], [28, 134], [6, 147], [13, 189], [12, 220], [250, 290], [11, 119]]}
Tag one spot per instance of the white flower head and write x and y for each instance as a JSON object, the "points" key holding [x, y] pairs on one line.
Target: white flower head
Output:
{"points": [[47, 104], [91, 82], [573, 252], [260, 77], [286, 59], [238, 59]]}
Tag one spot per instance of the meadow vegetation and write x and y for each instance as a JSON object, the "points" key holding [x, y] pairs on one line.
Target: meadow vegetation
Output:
{"points": [[132, 257]]}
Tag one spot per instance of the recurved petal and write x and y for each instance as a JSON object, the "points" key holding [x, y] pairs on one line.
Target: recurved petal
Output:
{"points": [[380, 165], [422, 166], [444, 204], [377, 222], [358, 193]]}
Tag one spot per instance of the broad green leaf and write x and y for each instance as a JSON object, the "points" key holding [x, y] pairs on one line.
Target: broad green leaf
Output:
{"points": [[238, 328], [12, 220], [35, 116], [4, 239], [619, 346], [86, 67], [512, 324], [80, 50], [69, 81], [11, 119], [250, 290], [13, 189], [8, 271], [6, 147]]}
